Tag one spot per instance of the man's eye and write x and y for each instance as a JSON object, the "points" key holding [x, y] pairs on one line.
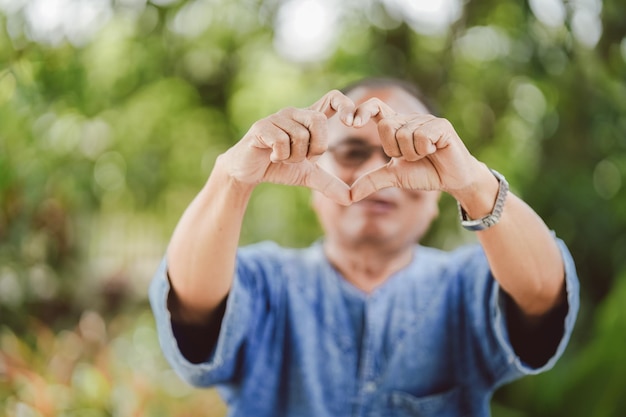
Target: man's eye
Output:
{"points": [[357, 154]]}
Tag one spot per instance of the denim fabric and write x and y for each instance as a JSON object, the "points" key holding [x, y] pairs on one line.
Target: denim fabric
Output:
{"points": [[298, 340]]}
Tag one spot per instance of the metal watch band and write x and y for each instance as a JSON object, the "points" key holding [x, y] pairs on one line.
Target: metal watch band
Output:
{"points": [[490, 219]]}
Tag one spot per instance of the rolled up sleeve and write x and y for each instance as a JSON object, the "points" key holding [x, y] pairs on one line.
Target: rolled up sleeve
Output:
{"points": [[221, 366], [515, 366]]}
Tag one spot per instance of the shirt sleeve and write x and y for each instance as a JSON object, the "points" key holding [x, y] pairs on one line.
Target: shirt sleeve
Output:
{"points": [[223, 365], [515, 366]]}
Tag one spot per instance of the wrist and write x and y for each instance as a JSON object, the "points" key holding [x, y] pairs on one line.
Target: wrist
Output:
{"points": [[479, 196], [226, 172], [482, 222]]}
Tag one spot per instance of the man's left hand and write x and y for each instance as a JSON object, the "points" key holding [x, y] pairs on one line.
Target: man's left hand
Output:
{"points": [[426, 151]]}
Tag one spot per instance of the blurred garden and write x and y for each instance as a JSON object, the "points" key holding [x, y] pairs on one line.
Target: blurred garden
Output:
{"points": [[113, 111]]}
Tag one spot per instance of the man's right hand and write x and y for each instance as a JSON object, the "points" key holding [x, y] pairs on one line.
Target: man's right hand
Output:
{"points": [[284, 147]]}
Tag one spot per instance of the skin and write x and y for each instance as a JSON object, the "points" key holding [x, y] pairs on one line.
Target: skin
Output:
{"points": [[371, 215], [371, 239]]}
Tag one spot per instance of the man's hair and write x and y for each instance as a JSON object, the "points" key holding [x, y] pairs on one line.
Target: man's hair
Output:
{"points": [[386, 82]]}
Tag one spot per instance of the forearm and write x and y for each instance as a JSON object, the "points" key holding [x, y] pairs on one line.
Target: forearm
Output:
{"points": [[521, 250], [201, 253], [277, 149], [525, 258]]}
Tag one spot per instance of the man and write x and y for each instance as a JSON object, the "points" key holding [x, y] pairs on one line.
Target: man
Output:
{"points": [[366, 321]]}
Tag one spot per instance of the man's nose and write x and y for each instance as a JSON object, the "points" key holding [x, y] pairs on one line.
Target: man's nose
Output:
{"points": [[376, 160]]}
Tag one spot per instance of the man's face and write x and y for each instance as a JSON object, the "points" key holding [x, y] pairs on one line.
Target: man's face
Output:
{"points": [[390, 217]]}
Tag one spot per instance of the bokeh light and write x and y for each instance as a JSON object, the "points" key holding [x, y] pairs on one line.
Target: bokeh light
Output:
{"points": [[112, 113], [306, 30]]}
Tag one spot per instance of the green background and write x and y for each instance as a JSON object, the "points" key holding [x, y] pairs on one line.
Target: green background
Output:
{"points": [[107, 134]]}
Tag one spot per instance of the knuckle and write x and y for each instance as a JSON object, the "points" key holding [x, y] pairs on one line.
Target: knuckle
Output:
{"points": [[300, 135], [262, 124], [312, 119], [387, 124], [392, 151], [286, 112], [317, 147], [282, 138], [317, 117], [373, 101], [444, 123], [411, 157], [335, 92], [386, 127]]}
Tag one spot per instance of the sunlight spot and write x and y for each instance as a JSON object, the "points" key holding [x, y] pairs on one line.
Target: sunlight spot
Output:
{"points": [[8, 86], [163, 2], [11, 292], [483, 43], [587, 27], [95, 138], [54, 21], [549, 12], [43, 282], [306, 29], [528, 101], [428, 17], [133, 4], [110, 171], [381, 17], [587, 22], [607, 179], [192, 19], [12, 6], [64, 134]]}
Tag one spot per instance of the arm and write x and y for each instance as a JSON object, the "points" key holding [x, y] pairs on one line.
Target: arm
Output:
{"points": [[428, 154], [204, 240], [521, 250], [281, 148]]}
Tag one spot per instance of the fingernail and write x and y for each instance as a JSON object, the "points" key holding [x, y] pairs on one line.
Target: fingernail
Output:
{"points": [[349, 119], [357, 121]]}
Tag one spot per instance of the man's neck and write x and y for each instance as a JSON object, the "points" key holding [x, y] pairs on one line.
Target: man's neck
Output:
{"points": [[367, 266]]}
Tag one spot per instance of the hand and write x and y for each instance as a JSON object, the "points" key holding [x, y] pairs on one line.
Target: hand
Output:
{"points": [[427, 153], [284, 147]]}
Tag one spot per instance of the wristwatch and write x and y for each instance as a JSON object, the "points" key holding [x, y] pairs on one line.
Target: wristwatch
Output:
{"points": [[492, 218]]}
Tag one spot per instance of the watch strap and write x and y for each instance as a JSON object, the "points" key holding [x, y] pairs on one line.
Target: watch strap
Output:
{"points": [[494, 217]]}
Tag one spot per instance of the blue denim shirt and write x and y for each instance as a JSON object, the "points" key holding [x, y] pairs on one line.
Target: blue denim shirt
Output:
{"points": [[299, 340]]}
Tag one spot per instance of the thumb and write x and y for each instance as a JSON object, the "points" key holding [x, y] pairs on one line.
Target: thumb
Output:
{"points": [[332, 187], [375, 180]]}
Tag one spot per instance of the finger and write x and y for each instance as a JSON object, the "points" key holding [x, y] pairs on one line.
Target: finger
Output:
{"points": [[404, 137], [336, 102], [332, 187], [373, 108], [387, 129], [373, 181], [296, 137], [432, 135], [424, 145], [278, 140], [317, 126]]}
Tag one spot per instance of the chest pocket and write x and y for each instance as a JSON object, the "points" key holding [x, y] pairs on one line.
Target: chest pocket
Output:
{"points": [[446, 404]]}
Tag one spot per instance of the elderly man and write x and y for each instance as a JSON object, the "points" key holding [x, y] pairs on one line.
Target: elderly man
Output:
{"points": [[365, 321]]}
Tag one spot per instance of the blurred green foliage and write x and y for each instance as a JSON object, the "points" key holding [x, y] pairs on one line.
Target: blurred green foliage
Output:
{"points": [[105, 137]]}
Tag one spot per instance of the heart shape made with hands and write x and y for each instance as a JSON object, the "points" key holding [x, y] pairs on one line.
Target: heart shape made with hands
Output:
{"points": [[426, 153], [408, 139]]}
